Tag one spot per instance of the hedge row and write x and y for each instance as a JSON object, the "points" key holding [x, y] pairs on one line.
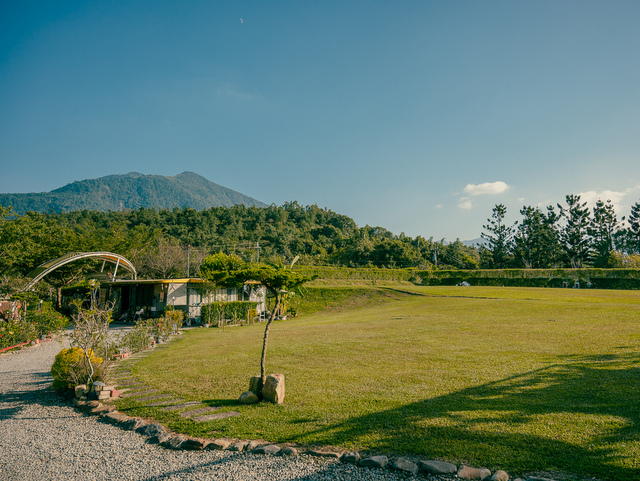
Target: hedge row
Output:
{"points": [[349, 273], [594, 278], [234, 311]]}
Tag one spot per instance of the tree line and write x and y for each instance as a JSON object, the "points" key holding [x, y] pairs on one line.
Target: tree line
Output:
{"points": [[173, 242], [572, 236]]}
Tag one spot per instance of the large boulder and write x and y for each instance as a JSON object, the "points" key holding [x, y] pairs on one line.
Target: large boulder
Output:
{"points": [[255, 386], [248, 397], [273, 389]]}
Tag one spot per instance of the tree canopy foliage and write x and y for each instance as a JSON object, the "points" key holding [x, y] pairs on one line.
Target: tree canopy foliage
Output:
{"points": [[279, 280], [170, 242], [174, 242], [573, 237]]}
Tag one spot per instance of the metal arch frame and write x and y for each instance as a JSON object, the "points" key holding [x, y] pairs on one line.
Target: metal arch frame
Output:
{"points": [[43, 269]]}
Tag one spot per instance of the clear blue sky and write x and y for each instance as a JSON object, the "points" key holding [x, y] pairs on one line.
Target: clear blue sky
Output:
{"points": [[417, 116]]}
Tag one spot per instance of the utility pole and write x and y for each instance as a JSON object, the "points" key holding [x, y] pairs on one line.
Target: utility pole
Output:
{"points": [[188, 260]]}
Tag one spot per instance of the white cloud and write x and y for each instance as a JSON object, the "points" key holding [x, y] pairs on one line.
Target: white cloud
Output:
{"points": [[438, 206], [592, 196], [617, 198], [465, 203], [488, 188]]}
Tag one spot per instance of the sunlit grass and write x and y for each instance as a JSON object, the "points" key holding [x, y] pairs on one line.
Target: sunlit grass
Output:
{"points": [[517, 379]]}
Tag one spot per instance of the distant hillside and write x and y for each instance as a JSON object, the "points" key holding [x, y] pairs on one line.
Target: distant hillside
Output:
{"points": [[130, 191]]}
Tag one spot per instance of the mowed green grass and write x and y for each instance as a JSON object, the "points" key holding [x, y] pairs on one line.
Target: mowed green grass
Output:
{"points": [[518, 379]]}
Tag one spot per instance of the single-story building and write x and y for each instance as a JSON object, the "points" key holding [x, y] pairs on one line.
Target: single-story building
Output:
{"points": [[151, 297]]}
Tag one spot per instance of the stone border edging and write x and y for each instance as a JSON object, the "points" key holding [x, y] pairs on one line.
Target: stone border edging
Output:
{"points": [[156, 433]]}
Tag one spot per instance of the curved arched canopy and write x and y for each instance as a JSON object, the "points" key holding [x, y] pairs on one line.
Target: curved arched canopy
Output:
{"points": [[44, 269]]}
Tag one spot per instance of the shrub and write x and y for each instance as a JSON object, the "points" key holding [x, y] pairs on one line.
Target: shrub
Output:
{"points": [[48, 321], [73, 366], [30, 327], [217, 312], [139, 337]]}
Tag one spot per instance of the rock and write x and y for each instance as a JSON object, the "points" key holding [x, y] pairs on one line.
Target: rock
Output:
{"points": [[288, 451], [467, 472], [536, 478], [500, 475], [248, 397], [159, 439], [115, 417], [81, 390], [153, 429], [102, 410], [266, 449], [273, 389], [133, 424], [374, 462], [254, 444], [174, 442], [115, 393], [195, 444], [240, 446], [255, 386], [89, 405], [437, 467], [324, 453], [351, 458], [405, 465], [219, 444]]}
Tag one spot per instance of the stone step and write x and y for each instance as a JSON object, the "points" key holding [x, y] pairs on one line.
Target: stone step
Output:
{"points": [[139, 393], [152, 398], [182, 406], [133, 382], [166, 402], [212, 417], [196, 412]]}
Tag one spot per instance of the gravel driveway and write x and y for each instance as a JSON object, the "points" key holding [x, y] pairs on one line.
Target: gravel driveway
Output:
{"points": [[44, 438]]}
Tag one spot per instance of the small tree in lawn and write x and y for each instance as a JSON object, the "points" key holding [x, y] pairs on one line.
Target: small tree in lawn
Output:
{"points": [[232, 271]]}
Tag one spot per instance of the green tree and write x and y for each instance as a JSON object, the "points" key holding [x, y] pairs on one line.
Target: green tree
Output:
{"points": [[603, 227], [574, 235], [279, 280], [632, 233], [536, 241], [499, 238]]}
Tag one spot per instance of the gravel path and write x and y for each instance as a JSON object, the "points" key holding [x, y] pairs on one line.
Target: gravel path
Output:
{"points": [[43, 437]]}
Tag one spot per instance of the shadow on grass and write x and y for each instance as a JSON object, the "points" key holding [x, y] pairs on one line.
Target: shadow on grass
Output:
{"points": [[581, 416], [220, 403]]}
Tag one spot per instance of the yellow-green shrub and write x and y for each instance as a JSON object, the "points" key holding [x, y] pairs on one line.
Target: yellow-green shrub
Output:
{"points": [[71, 367]]}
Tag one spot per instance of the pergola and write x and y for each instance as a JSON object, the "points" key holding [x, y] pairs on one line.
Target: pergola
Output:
{"points": [[43, 269]]}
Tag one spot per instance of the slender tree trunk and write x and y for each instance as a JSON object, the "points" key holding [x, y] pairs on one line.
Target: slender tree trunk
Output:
{"points": [[263, 360]]}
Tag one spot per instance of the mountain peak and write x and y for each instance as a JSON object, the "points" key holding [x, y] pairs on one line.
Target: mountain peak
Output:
{"points": [[131, 191]]}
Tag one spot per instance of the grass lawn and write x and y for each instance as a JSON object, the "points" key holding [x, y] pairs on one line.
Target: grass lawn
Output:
{"points": [[518, 379]]}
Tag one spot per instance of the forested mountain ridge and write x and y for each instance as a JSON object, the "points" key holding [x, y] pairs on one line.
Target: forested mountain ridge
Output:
{"points": [[130, 191]]}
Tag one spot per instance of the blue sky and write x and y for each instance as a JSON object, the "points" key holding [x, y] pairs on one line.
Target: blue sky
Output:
{"points": [[417, 116]]}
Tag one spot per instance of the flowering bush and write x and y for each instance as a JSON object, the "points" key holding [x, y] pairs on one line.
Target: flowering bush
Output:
{"points": [[16, 331], [48, 321], [73, 366], [29, 326], [139, 337]]}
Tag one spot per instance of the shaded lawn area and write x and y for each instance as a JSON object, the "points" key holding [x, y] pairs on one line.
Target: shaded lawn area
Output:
{"points": [[516, 379]]}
